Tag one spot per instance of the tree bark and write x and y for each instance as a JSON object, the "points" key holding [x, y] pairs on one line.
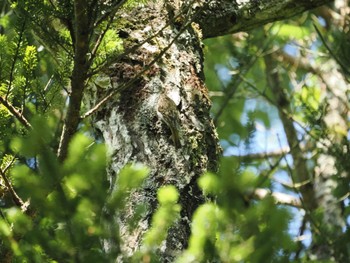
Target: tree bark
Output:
{"points": [[168, 63]]}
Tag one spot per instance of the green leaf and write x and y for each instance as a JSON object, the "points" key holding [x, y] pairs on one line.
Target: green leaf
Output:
{"points": [[167, 195], [203, 232], [209, 183], [132, 175], [289, 31]]}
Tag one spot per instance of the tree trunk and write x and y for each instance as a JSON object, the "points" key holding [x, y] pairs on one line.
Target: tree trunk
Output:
{"points": [[168, 64], [134, 132]]}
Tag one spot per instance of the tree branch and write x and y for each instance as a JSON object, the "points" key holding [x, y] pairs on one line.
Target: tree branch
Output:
{"points": [[15, 112], [226, 17], [280, 198], [79, 76], [264, 155], [16, 199], [282, 101]]}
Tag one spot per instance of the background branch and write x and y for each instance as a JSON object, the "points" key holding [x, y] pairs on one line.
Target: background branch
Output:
{"points": [[280, 198]]}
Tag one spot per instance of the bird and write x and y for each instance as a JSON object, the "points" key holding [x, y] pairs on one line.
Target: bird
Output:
{"points": [[168, 113]]}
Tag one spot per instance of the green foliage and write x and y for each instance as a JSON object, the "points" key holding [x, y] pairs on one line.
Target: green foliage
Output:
{"points": [[256, 128], [167, 212], [5, 125], [131, 176], [203, 235], [288, 31], [67, 204], [234, 230], [65, 221], [30, 60]]}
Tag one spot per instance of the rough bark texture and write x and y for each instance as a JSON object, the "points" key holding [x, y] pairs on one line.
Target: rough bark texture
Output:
{"points": [[129, 122]]}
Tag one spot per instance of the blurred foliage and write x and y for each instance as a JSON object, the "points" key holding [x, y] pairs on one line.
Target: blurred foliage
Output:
{"points": [[251, 126], [63, 216]]}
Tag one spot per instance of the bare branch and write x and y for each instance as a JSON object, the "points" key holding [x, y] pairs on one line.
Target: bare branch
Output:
{"points": [[302, 62]]}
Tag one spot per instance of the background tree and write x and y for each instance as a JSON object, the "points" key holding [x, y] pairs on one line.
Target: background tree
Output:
{"points": [[78, 73]]}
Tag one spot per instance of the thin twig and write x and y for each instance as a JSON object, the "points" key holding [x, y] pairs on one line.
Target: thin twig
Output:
{"points": [[15, 112], [8, 166], [16, 199], [301, 233], [234, 86], [99, 40], [112, 10]]}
